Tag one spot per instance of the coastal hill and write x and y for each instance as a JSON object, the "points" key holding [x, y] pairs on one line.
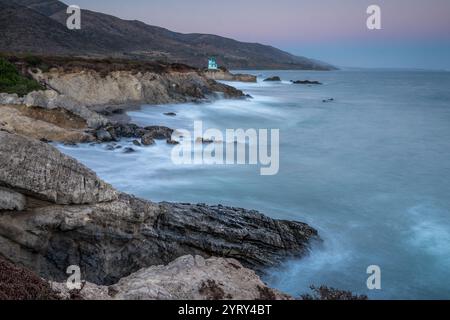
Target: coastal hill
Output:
{"points": [[39, 27]]}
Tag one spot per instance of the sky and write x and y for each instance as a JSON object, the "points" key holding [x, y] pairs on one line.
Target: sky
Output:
{"points": [[414, 33]]}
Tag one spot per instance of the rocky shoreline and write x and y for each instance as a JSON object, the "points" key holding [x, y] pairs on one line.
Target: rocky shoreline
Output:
{"points": [[55, 212]]}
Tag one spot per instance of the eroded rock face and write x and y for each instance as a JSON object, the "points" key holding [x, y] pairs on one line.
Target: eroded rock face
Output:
{"points": [[111, 240], [50, 99], [43, 124], [90, 88], [40, 170], [186, 278], [11, 200]]}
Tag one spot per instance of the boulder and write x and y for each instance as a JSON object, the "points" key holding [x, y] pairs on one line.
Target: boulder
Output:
{"points": [[103, 135], [40, 170], [147, 139]]}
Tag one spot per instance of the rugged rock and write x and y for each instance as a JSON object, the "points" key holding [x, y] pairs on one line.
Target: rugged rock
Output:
{"points": [[110, 238], [103, 135], [225, 75], [113, 239], [276, 78], [11, 200], [40, 170], [148, 135], [43, 124], [305, 82], [51, 99], [147, 139], [89, 87], [186, 278], [159, 132]]}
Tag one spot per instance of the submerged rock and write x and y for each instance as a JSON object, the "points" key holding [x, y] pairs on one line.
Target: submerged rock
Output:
{"points": [[276, 78], [305, 82], [129, 150], [170, 114]]}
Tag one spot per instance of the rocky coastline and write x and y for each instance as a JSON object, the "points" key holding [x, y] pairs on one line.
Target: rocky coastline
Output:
{"points": [[55, 212]]}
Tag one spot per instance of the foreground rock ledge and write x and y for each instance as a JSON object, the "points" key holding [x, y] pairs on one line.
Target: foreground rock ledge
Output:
{"points": [[186, 278], [111, 239]]}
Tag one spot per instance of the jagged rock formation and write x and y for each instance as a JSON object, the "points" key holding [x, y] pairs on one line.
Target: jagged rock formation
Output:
{"points": [[44, 124], [186, 278], [73, 218], [41, 171], [225, 75], [89, 87]]}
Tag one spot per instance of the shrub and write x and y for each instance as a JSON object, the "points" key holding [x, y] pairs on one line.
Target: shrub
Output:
{"points": [[17, 283], [11, 81], [326, 293]]}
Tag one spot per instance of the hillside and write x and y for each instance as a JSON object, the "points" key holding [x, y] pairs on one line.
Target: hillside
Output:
{"points": [[38, 26]]}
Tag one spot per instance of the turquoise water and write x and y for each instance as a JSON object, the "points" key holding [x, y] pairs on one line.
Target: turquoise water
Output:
{"points": [[370, 170]]}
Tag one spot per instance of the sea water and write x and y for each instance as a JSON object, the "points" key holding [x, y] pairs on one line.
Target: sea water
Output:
{"points": [[370, 170]]}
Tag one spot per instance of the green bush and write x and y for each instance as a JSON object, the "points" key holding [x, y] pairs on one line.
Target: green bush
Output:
{"points": [[13, 82]]}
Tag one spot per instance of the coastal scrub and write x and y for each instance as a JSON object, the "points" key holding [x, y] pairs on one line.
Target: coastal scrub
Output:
{"points": [[11, 81]]}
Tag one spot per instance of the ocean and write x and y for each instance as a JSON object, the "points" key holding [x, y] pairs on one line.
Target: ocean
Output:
{"points": [[370, 170]]}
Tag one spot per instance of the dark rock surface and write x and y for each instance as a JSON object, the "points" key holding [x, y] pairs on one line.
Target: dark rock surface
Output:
{"points": [[306, 82], [273, 79]]}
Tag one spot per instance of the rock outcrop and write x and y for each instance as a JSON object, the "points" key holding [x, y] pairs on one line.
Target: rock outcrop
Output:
{"points": [[225, 75], [90, 87], [50, 99], [44, 124], [41, 171], [186, 278], [73, 218]]}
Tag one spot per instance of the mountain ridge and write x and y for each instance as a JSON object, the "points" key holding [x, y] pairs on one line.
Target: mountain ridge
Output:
{"points": [[38, 27]]}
